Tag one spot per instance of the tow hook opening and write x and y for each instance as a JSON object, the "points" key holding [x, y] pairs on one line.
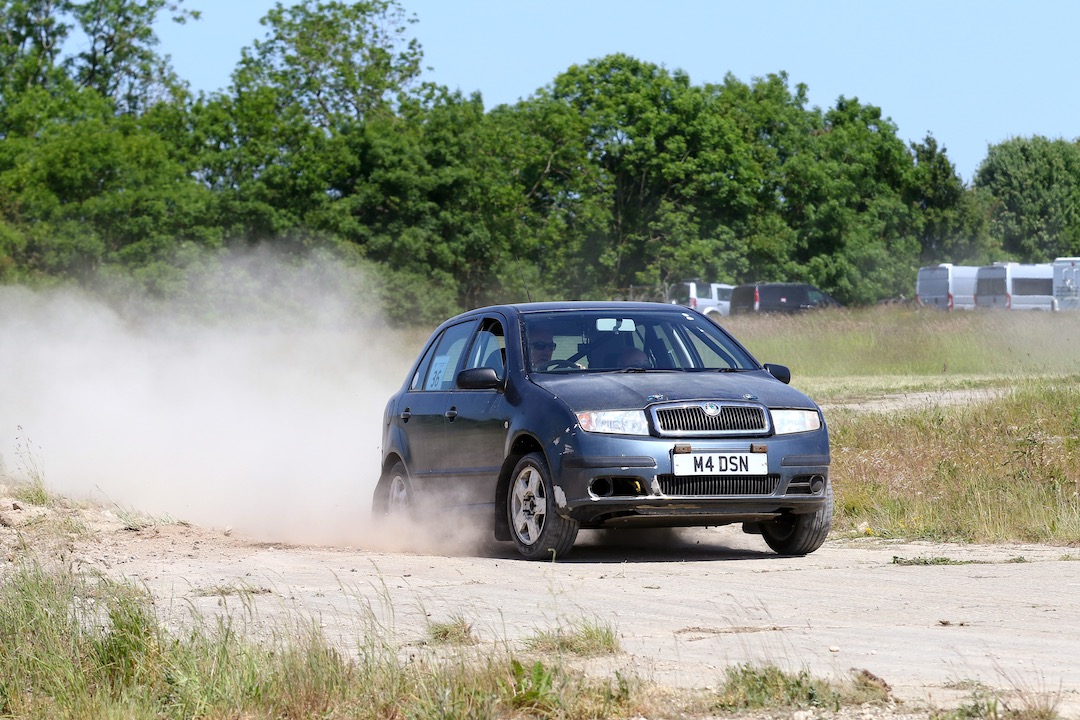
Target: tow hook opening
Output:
{"points": [[605, 487]]}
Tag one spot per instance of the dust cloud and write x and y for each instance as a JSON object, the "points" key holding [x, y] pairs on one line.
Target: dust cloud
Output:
{"points": [[255, 403]]}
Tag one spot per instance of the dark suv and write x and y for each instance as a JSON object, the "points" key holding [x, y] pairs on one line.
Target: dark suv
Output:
{"points": [[779, 297]]}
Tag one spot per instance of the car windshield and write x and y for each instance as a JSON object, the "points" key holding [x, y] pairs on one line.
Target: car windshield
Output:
{"points": [[629, 341]]}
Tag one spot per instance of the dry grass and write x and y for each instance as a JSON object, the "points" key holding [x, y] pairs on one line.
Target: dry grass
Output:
{"points": [[584, 638], [1000, 468], [1004, 470], [915, 346], [98, 649], [455, 631]]}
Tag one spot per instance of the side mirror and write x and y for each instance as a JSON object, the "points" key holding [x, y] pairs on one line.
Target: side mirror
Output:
{"points": [[780, 372], [481, 378]]}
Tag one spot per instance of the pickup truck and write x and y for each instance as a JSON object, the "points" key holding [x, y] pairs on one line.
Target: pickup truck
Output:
{"points": [[711, 299]]}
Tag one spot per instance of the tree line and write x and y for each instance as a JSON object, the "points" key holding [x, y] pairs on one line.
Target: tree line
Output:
{"points": [[618, 177]]}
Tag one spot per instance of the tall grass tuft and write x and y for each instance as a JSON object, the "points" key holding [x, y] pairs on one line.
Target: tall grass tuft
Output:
{"points": [[583, 637], [29, 477], [752, 687]]}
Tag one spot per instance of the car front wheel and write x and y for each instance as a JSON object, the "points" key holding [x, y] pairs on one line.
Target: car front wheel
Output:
{"points": [[800, 534], [539, 532]]}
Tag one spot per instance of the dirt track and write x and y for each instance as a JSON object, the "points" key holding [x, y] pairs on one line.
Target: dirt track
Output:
{"points": [[931, 623], [685, 604]]}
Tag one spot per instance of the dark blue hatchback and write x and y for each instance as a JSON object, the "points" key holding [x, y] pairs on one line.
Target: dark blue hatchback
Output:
{"points": [[557, 416]]}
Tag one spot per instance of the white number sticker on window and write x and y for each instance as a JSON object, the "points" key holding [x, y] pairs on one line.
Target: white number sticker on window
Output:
{"points": [[435, 375]]}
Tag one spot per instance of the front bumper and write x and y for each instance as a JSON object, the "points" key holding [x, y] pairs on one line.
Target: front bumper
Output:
{"points": [[630, 481]]}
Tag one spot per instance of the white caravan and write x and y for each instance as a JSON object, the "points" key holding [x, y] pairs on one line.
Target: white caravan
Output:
{"points": [[1016, 286], [1067, 283], [946, 286]]}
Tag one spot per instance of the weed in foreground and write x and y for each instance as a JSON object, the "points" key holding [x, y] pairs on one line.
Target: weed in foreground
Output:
{"points": [[456, 631], [750, 687], [531, 689], [985, 705], [583, 638], [29, 485], [930, 561]]}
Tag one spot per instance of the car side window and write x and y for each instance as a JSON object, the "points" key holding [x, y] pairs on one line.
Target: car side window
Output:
{"points": [[437, 370], [421, 370], [489, 348]]}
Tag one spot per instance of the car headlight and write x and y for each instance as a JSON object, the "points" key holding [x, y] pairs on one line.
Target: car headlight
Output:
{"points": [[786, 422], [619, 422]]}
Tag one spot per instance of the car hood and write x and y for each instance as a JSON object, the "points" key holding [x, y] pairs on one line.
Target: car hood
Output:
{"points": [[623, 391]]}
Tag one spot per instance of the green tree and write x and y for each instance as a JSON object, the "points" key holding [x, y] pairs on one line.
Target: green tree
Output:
{"points": [[336, 61], [119, 59], [424, 195], [1034, 184], [673, 175], [32, 34], [856, 237], [117, 55], [542, 146], [271, 145], [99, 190], [776, 128], [951, 219]]}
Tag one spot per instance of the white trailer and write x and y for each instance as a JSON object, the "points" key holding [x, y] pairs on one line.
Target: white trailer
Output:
{"points": [[1067, 283], [946, 286], [1016, 286]]}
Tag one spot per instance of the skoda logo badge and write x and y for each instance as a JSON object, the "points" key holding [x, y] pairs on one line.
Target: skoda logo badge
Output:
{"points": [[748, 396], [711, 409]]}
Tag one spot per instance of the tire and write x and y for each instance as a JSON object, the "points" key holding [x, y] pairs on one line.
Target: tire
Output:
{"points": [[538, 531], [394, 498], [800, 534]]}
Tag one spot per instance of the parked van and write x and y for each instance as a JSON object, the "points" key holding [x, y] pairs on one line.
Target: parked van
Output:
{"points": [[1016, 286], [779, 297], [711, 299], [946, 286], [1067, 283]]}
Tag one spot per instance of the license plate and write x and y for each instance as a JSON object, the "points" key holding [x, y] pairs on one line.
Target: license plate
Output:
{"points": [[721, 464]]}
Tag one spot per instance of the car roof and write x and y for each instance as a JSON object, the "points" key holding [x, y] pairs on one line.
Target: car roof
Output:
{"points": [[579, 305]]}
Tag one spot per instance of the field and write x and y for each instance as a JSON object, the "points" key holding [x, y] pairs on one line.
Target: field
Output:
{"points": [[954, 462]]}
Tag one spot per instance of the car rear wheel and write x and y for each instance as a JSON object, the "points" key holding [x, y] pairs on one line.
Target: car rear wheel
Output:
{"points": [[800, 534], [395, 498], [538, 531]]}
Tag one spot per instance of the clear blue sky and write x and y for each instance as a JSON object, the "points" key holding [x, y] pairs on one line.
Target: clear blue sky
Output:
{"points": [[971, 73]]}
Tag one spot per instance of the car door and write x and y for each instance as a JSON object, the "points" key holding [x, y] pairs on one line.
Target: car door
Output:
{"points": [[477, 421], [422, 411]]}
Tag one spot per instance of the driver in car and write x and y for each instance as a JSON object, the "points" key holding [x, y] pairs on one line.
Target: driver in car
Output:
{"points": [[540, 347], [633, 357]]}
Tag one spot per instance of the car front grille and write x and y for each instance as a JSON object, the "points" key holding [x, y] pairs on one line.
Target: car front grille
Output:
{"points": [[692, 420], [703, 485]]}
